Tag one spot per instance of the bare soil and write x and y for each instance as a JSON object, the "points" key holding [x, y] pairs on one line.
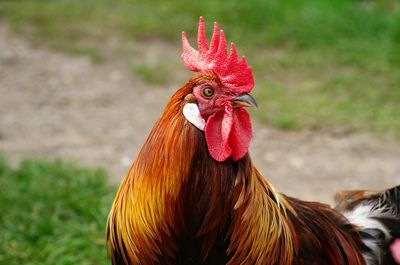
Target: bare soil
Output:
{"points": [[55, 105]]}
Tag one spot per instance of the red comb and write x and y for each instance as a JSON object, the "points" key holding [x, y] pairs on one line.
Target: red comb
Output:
{"points": [[233, 73]]}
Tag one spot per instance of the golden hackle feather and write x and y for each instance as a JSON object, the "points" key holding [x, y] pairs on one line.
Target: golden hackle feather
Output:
{"points": [[143, 213], [261, 232]]}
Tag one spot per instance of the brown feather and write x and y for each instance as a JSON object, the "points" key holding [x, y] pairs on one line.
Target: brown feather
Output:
{"points": [[324, 235]]}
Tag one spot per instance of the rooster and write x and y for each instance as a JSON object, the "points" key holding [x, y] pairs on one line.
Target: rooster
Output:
{"points": [[193, 195]]}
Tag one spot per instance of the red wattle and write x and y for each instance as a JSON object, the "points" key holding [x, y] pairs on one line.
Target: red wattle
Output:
{"points": [[217, 131], [228, 133], [241, 132]]}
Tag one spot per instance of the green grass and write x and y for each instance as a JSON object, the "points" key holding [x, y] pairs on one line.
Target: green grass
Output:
{"points": [[53, 213], [323, 94], [152, 74], [318, 63]]}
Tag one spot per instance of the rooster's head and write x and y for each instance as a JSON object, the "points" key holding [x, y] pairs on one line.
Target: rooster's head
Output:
{"points": [[219, 94]]}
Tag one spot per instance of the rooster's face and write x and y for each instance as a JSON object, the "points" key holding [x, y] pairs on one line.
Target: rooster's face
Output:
{"points": [[227, 124], [211, 96]]}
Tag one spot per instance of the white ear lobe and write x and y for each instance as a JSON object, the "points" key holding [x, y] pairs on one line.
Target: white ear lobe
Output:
{"points": [[192, 114]]}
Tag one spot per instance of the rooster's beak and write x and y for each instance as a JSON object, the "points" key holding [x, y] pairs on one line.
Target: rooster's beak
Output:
{"points": [[244, 100]]}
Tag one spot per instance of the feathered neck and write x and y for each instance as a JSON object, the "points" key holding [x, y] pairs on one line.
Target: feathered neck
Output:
{"points": [[174, 187], [143, 213]]}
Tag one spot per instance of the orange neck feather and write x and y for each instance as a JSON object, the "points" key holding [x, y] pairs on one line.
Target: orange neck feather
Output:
{"points": [[143, 211]]}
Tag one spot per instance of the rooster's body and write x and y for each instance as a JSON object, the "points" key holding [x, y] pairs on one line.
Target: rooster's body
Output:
{"points": [[194, 197]]}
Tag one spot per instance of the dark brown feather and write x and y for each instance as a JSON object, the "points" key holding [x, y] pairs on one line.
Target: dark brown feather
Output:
{"points": [[324, 236]]}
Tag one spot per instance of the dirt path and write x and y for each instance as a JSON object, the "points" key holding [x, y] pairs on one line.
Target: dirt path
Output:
{"points": [[57, 105]]}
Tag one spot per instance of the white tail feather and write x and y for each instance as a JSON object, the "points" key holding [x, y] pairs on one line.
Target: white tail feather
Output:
{"points": [[364, 217]]}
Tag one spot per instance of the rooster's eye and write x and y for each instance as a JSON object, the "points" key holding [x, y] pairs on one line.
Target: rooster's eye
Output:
{"points": [[208, 92]]}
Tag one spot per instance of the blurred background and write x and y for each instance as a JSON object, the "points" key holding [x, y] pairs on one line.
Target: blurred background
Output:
{"points": [[83, 81]]}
